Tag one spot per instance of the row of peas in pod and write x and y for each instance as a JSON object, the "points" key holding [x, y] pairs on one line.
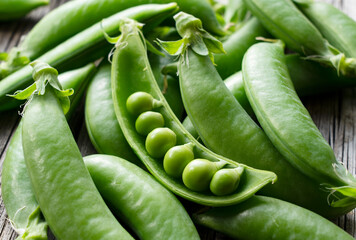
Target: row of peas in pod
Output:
{"points": [[178, 160]]}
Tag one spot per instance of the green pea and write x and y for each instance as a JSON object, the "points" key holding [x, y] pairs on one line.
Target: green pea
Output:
{"points": [[159, 141], [148, 121], [225, 181], [177, 158], [140, 102], [198, 173]]}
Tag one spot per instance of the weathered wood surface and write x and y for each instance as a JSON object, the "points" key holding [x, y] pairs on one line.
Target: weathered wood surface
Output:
{"points": [[334, 114]]}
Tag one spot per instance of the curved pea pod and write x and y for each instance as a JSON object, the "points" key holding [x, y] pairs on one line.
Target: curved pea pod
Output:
{"points": [[67, 196], [286, 22], [17, 192], [74, 16], [138, 199], [87, 46], [100, 119], [236, 46], [338, 28], [227, 129], [262, 218], [131, 73], [286, 121], [11, 10]]}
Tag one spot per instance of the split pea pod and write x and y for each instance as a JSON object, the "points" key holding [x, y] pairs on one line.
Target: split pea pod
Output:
{"points": [[13, 9], [338, 28], [67, 196], [75, 16], [262, 218], [228, 130], [286, 121], [90, 43], [286, 22], [17, 192], [148, 208], [135, 91]]}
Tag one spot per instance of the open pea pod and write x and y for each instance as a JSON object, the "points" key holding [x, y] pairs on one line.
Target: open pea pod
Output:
{"points": [[131, 74]]}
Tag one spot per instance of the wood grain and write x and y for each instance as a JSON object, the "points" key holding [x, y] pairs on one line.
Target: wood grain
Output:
{"points": [[334, 114]]}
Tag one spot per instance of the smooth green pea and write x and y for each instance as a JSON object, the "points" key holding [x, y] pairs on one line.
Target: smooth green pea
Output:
{"points": [[177, 158], [149, 121], [225, 181], [198, 173], [159, 141], [140, 102]]}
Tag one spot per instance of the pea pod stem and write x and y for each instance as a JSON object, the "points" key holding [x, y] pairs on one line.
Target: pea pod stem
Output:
{"points": [[91, 40], [139, 78]]}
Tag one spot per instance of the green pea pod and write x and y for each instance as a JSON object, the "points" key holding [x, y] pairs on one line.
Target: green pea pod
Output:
{"points": [[286, 121], [75, 16], [14, 9], [17, 193], [68, 198], [328, 20], [91, 40], [236, 46], [299, 34], [262, 218], [131, 73], [150, 210], [103, 129], [227, 129]]}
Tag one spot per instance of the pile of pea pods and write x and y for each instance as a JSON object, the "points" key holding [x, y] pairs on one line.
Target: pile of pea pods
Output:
{"points": [[194, 110]]}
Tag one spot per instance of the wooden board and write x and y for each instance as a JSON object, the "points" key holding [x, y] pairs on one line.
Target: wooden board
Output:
{"points": [[334, 114]]}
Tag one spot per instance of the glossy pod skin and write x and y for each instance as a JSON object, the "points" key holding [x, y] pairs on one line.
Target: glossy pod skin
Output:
{"points": [[286, 22], [262, 218], [148, 208], [285, 120], [246, 143], [69, 200], [100, 119], [328, 20], [75, 16], [17, 193], [14, 9], [131, 73], [236, 46], [91, 40]]}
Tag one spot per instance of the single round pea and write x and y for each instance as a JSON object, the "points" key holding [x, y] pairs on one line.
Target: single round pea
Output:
{"points": [[140, 102], [159, 141], [198, 173], [148, 121], [226, 181], [177, 158]]}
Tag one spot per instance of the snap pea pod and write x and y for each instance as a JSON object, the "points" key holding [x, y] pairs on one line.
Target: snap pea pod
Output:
{"points": [[67, 196], [286, 22], [262, 218], [227, 129], [287, 122], [75, 16], [132, 77], [150, 210], [338, 28], [17, 193], [100, 119], [13, 9], [90, 42], [236, 46]]}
